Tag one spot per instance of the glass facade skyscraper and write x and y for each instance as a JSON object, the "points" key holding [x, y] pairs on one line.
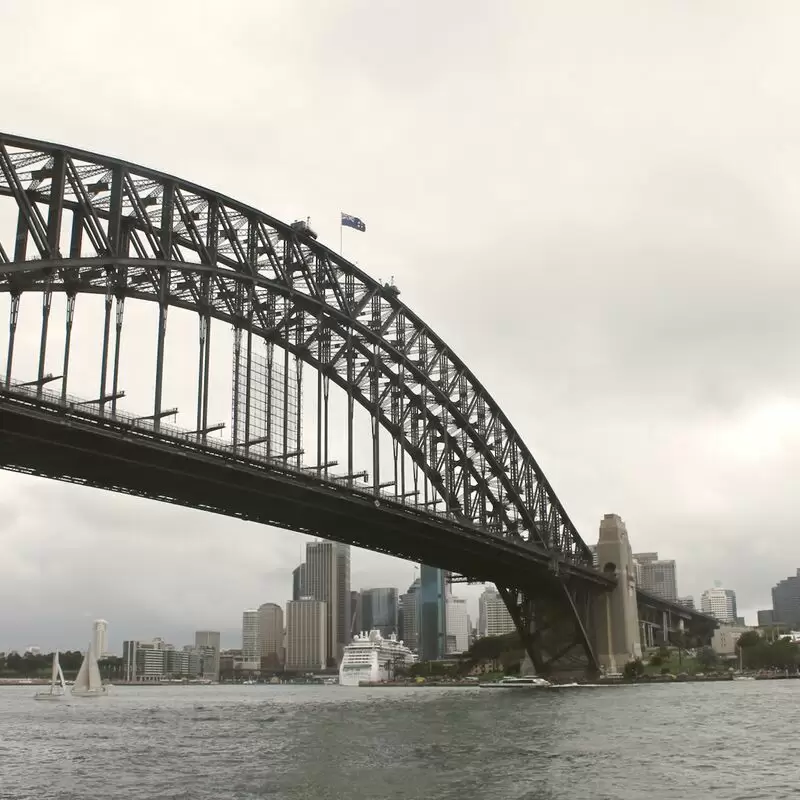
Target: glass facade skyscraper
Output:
{"points": [[431, 613], [379, 610], [786, 601]]}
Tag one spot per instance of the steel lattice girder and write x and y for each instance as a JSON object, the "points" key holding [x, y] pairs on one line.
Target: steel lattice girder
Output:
{"points": [[142, 234]]}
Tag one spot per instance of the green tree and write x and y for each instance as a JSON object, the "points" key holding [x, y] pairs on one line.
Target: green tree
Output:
{"points": [[749, 639], [706, 658], [634, 669]]}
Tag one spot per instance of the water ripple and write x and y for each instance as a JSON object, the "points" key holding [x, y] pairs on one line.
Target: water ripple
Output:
{"points": [[727, 741]]}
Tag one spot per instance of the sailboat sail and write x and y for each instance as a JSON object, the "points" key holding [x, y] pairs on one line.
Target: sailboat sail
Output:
{"points": [[56, 689], [88, 682], [95, 681], [82, 678], [54, 672]]}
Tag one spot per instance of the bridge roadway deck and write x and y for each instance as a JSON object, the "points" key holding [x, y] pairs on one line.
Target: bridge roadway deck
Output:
{"points": [[42, 436]]}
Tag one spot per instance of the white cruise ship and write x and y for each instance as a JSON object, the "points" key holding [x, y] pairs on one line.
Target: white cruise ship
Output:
{"points": [[371, 658]]}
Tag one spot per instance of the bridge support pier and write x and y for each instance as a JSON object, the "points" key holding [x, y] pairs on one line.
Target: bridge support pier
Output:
{"points": [[616, 614]]}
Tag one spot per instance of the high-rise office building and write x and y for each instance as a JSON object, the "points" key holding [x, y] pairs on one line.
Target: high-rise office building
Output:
{"points": [[270, 634], [129, 649], [657, 576], [493, 616], [766, 618], [786, 601], [379, 610], [250, 647], [206, 641], [328, 581], [306, 623], [408, 617], [457, 622], [356, 615], [344, 616], [299, 582], [432, 630], [100, 638], [719, 603]]}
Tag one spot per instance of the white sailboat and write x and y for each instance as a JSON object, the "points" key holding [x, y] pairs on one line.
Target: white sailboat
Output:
{"points": [[57, 688], [88, 682]]}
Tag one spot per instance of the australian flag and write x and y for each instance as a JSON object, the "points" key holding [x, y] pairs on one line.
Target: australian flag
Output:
{"points": [[349, 221]]}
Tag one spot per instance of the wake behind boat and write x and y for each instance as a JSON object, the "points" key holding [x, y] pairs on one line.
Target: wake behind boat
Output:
{"points": [[88, 683], [57, 688], [529, 682]]}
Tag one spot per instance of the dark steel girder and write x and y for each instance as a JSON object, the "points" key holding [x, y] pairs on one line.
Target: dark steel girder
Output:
{"points": [[75, 445]]}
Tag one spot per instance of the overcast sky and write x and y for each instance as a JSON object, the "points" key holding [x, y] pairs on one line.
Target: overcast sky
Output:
{"points": [[595, 204]]}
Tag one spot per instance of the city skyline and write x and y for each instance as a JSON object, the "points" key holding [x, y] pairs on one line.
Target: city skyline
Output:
{"points": [[231, 634]]}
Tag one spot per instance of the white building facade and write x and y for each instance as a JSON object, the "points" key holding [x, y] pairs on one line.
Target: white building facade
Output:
{"points": [[719, 603], [456, 624], [493, 616], [100, 638], [251, 650]]}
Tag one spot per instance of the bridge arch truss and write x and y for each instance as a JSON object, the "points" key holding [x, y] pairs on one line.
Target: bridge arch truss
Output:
{"points": [[86, 224]]}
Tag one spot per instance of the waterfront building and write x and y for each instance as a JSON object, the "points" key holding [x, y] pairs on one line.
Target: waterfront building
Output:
{"points": [[129, 649], [724, 640], [656, 575], [493, 616], [408, 617], [299, 582], [250, 647], [432, 630], [270, 634], [457, 624], [356, 615], [327, 580], [306, 628], [786, 601], [343, 599], [719, 603], [206, 641], [151, 662], [766, 618], [379, 611], [100, 638]]}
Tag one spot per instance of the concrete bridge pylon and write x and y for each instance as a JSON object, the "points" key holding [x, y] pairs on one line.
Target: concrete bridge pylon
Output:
{"points": [[616, 612]]}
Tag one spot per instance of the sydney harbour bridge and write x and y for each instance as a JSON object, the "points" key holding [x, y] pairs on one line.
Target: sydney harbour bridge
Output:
{"points": [[380, 436]]}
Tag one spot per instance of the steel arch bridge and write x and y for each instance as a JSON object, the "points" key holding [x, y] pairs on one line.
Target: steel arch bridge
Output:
{"points": [[447, 480]]}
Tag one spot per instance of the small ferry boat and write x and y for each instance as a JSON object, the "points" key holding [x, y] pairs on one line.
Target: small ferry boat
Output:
{"points": [[513, 682]]}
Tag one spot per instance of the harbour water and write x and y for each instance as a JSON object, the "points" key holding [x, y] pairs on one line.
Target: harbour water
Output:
{"points": [[727, 741]]}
